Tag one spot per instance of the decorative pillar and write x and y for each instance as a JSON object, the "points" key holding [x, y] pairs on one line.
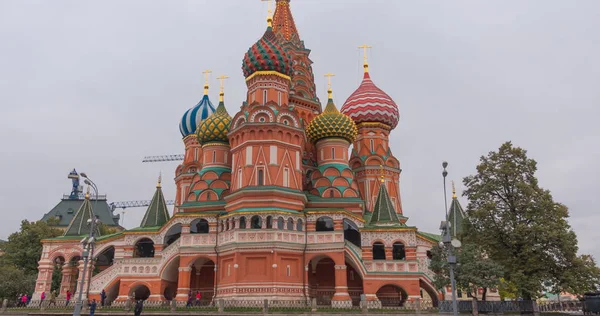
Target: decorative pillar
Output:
{"points": [[183, 284], [341, 298], [85, 277], [388, 253], [44, 280], [66, 283]]}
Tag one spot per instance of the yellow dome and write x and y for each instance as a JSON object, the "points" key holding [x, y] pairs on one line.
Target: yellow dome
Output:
{"points": [[215, 127], [331, 123]]}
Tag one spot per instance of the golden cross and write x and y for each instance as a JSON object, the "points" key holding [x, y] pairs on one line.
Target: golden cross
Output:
{"points": [[159, 179], [382, 172], [206, 75], [453, 190], [222, 86], [269, 12], [329, 92], [365, 63]]}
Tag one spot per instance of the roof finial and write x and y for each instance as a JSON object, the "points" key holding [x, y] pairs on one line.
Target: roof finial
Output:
{"points": [[381, 174], [87, 193], [206, 75], [453, 190], [269, 13], [365, 63], [329, 91], [221, 93], [158, 185]]}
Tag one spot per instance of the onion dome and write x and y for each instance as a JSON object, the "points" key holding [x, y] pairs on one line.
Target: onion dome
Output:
{"points": [[267, 55], [370, 104], [331, 123], [192, 117], [215, 127]]}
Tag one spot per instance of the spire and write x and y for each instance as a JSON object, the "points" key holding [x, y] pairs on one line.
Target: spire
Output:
{"points": [[365, 62], [79, 224], [384, 213], [269, 13], [329, 91], [283, 21], [221, 91], [456, 215], [206, 79], [157, 213]]}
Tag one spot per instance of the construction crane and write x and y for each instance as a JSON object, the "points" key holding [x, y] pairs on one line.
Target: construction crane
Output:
{"points": [[128, 204], [177, 157]]}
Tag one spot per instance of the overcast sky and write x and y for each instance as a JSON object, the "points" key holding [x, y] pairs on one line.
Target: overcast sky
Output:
{"points": [[98, 85]]}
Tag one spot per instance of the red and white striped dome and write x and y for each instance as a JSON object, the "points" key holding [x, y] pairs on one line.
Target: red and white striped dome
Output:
{"points": [[370, 104]]}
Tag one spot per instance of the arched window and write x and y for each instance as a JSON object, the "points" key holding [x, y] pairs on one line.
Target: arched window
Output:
{"points": [[332, 153], [331, 193], [144, 248], [351, 232], [214, 156], [279, 97], [172, 235], [256, 222], [227, 224], [269, 222], [280, 223], [378, 251], [290, 224], [260, 179], [199, 226], [208, 196], [232, 223], [398, 252], [372, 145], [242, 222], [265, 96], [299, 225], [324, 224], [222, 226]]}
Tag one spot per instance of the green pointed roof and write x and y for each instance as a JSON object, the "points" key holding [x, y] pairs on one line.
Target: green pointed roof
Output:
{"points": [[79, 224], [384, 213], [456, 215], [157, 213]]}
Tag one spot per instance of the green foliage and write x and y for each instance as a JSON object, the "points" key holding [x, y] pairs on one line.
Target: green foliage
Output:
{"points": [[517, 223], [24, 248], [14, 281], [578, 276], [104, 229], [56, 278], [507, 290], [475, 270]]}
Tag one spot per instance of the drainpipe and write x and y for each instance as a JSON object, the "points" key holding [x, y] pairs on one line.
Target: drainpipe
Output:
{"points": [[304, 258], [216, 287]]}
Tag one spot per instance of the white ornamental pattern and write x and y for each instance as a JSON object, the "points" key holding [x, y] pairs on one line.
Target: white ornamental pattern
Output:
{"points": [[408, 238]]}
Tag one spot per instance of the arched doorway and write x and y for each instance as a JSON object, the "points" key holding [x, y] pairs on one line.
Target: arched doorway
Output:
{"points": [[144, 248], [429, 294], [391, 295], [199, 226], [321, 279], [203, 279], [172, 234], [139, 292], [169, 278], [104, 259], [57, 267], [112, 292], [355, 284]]}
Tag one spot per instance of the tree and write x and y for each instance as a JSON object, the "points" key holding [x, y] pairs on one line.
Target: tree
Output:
{"points": [[14, 281], [578, 276], [516, 222], [24, 248], [474, 270]]}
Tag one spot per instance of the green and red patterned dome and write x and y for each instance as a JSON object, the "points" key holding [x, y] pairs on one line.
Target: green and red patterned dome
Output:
{"points": [[267, 55]]}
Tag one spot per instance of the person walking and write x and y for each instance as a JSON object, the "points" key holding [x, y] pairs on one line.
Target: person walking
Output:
{"points": [[24, 300], [189, 300], [92, 307], [68, 296], [139, 306], [198, 298], [102, 297], [42, 298]]}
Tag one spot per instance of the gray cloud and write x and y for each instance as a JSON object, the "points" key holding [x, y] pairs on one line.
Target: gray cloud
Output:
{"points": [[98, 85]]}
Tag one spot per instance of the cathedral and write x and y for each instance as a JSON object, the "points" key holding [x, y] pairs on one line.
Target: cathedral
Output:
{"points": [[287, 199]]}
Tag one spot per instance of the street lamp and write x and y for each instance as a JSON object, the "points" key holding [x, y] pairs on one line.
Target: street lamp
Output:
{"points": [[449, 244], [88, 247]]}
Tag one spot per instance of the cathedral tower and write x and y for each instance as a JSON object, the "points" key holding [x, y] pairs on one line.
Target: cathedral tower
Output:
{"points": [[375, 114]]}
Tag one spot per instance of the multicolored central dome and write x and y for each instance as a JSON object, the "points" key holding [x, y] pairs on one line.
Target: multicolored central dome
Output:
{"points": [[267, 55], [331, 123], [370, 104], [215, 127]]}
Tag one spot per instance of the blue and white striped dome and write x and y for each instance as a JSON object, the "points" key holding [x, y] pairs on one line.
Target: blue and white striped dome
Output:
{"points": [[192, 117]]}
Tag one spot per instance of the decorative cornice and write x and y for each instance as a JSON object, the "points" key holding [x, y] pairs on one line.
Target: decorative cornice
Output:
{"points": [[267, 73], [389, 229], [374, 125], [337, 211]]}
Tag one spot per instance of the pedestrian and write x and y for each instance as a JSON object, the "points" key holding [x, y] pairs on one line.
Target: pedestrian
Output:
{"points": [[92, 307], [198, 298], [189, 300], [102, 297], [68, 297], [24, 300], [42, 297], [52, 298], [138, 308], [29, 298]]}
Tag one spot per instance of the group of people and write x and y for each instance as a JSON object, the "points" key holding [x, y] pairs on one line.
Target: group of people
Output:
{"points": [[191, 296]]}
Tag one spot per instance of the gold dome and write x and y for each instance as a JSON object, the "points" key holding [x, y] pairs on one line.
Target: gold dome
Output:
{"points": [[215, 127], [331, 123]]}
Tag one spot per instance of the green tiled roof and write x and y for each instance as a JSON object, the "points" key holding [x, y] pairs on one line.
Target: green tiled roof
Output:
{"points": [[79, 224], [456, 216], [157, 213], [384, 213], [65, 210], [436, 237]]}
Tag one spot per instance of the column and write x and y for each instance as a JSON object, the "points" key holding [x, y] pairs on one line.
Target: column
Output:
{"points": [[67, 276], [341, 298], [183, 283], [85, 277], [44, 280]]}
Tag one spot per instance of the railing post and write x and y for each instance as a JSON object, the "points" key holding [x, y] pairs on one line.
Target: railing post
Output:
{"points": [[173, 305], [4, 305], [313, 304], [265, 306], [536, 309], [220, 305], [475, 307], [363, 305], [128, 305]]}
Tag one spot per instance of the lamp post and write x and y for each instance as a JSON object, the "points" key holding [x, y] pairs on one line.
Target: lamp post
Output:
{"points": [[91, 183], [449, 244], [88, 245]]}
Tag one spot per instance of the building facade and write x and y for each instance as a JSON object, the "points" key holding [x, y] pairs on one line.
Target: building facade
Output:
{"points": [[271, 203]]}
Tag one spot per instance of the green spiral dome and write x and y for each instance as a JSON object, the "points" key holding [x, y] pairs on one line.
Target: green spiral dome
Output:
{"points": [[215, 127], [331, 123]]}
